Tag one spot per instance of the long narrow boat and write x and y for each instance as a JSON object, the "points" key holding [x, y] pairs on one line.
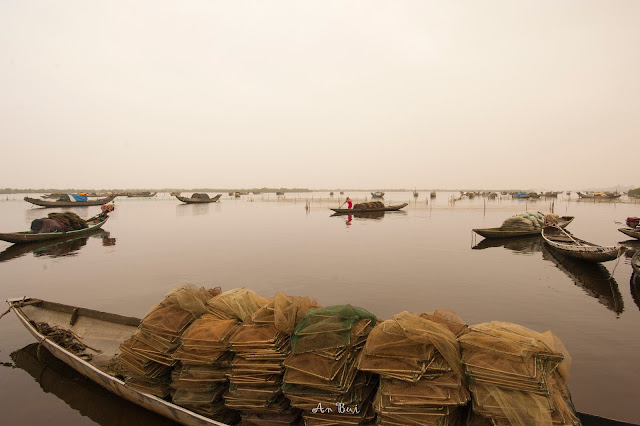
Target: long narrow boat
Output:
{"points": [[141, 194], [377, 194], [502, 233], [105, 332], [571, 246], [102, 331], [391, 208], [632, 232], [44, 203], [30, 237], [191, 200]]}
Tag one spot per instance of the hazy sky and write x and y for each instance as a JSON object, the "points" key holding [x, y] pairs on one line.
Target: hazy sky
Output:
{"points": [[319, 94]]}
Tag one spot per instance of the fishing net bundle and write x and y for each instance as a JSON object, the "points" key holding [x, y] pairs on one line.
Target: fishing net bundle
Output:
{"points": [[369, 205], [71, 221], [517, 375], [200, 196], [421, 376], [261, 345], [524, 222], [147, 357], [321, 371]]}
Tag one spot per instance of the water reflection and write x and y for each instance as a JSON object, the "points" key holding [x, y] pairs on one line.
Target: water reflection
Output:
{"points": [[55, 248], [79, 393], [192, 209], [593, 278], [524, 245], [634, 283]]}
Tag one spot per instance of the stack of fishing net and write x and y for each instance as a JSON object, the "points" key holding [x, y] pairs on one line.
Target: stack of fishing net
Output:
{"points": [[369, 205], [200, 380], [421, 376], [321, 372], [517, 375], [524, 222], [71, 221], [261, 346], [146, 358], [200, 196]]}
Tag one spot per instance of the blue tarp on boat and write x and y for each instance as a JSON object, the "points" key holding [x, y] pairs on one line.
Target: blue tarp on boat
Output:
{"points": [[79, 198]]}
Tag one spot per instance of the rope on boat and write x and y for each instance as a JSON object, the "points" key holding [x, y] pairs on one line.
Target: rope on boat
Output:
{"points": [[621, 250]]}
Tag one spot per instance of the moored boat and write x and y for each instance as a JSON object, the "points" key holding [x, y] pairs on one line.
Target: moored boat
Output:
{"points": [[563, 241], [390, 208], [30, 237], [505, 233], [632, 232], [104, 332], [141, 194], [198, 199], [377, 194], [44, 203]]}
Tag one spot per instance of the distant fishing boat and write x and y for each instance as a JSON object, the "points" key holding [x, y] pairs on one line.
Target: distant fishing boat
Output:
{"points": [[279, 193], [44, 203], [145, 194], [571, 246], [377, 194], [433, 194], [199, 198], [415, 194], [389, 208]]}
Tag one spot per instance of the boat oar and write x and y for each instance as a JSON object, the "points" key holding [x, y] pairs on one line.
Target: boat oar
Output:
{"points": [[567, 234]]}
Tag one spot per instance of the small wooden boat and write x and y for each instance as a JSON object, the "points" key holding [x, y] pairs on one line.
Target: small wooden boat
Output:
{"points": [[30, 237], [279, 193], [576, 248], [593, 278], [102, 331], [599, 195], [197, 200], [501, 233], [44, 203], [377, 194], [391, 208], [632, 232], [141, 194], [433, 194]]}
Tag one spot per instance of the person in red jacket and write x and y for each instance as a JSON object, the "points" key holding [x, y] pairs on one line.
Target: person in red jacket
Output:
{"points": [[349, 203]]}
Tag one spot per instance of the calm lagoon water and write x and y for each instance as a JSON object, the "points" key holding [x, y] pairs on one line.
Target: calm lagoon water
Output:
{"points": [[420, 259]]}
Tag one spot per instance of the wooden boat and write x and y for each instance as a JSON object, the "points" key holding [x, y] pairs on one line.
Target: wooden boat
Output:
{"points": [[377, 194], [191, 200], [44, 203], [599, 195], [30, 237], [391, 208], [105, 331], [279, 193], [433, 194], [53, 248], [576, 248], [593, 278], [102, 331], [501, 233], [141, 194], [632, 232]]}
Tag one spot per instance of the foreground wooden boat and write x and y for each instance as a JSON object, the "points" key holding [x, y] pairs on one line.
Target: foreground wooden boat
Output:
{"points": [[191, 200], [103, 331], [391, 208], [632, 232], [45, 203], [576, 248], [30, 237], [501, 233]]}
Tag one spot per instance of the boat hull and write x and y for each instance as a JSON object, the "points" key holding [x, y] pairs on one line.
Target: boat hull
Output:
{"points": [[384, 209], [634, 233], [111, 383], [577, 248], [500, 233], [188, 200], [44, 203], [26, 237]]}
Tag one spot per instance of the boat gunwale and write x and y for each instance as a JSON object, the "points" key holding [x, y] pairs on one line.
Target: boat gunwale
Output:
{"points": [[500, 233]]}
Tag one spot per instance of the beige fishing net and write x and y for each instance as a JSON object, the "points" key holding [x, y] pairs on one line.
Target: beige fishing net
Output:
{"points": [[517, 375], [421, 376]]}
